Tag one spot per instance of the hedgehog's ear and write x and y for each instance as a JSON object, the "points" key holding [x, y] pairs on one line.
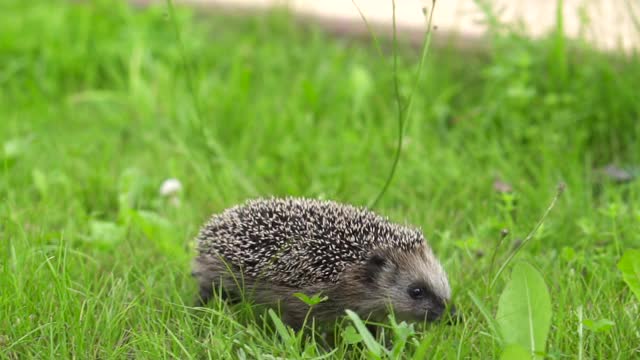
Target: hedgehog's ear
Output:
{"points": [[374, 265]]}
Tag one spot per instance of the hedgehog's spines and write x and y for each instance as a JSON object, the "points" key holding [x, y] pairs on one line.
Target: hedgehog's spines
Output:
{"points": [[295, 241]]}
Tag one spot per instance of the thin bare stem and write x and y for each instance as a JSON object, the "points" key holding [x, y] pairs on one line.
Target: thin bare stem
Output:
{"points": [[369, 28], [403, 111], [561, 188]]}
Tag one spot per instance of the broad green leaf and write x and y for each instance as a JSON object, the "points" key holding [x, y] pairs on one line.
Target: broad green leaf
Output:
{"points": [[515, 352], [104, 234], [524, 310], [470, 243], [374, 347], [14, 148], [130, 185], [351, 336], [568, 254], [151, 223], [361, 85], [629, 265], [401, 334], [600, 325], [160, 231], [40, 181], [310, 300], [280, 327]]}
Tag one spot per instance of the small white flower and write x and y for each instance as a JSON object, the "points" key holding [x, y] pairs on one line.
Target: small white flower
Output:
{"points": [[170, 187]]}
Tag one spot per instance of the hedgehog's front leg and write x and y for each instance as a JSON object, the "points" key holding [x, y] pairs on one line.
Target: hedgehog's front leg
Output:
{"points": [[293, 318], [209, 273], [205, 294], [206, 286]]}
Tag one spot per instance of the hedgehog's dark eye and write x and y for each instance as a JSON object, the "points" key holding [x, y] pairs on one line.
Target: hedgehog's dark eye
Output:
{"points": [[417, 292]]}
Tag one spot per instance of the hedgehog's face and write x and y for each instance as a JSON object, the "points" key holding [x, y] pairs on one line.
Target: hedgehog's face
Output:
{"points": [[413, 282]]}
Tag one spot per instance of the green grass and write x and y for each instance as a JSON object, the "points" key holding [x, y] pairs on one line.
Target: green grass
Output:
{"points": [[96, 112]]}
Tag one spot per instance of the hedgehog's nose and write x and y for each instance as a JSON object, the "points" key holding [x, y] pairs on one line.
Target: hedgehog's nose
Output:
{"points": [[453, 316]]}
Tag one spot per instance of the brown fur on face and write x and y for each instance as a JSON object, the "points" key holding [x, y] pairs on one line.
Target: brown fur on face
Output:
{"points": [[387, 278]]}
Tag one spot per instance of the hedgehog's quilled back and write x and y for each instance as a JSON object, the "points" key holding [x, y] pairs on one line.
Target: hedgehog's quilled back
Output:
{"points": [[269, 249]]}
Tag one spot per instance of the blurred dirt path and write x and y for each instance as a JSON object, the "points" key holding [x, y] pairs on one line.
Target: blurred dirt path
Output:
{"points": [[608, 24]]}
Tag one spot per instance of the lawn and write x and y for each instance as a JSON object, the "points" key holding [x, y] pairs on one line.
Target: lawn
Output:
{"points": [[100, 103]]}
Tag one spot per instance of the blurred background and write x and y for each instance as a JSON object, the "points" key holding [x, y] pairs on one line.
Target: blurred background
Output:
{"points": [[610, 25], [125, 125]]}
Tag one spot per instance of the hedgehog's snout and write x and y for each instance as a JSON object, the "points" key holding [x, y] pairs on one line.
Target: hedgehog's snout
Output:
{"points": [[453, 316], [446, 313], [452, 310], [435, 312]]}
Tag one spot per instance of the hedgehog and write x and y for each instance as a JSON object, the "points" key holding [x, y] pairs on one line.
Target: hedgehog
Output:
{"points": [[273, 248]]}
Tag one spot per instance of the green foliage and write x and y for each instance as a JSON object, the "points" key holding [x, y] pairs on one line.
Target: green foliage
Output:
{"points": [[524, 311], [376, 350], [311, 300], [105, 234], [282, 330], [515, 352], [12, 149], [160, 232], [362, 85], [351, 336], [600, 325], [629, 265]]}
